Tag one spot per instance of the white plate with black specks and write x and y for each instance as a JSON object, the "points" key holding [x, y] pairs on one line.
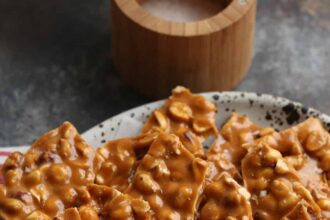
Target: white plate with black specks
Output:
{"points": [[264, 110]]}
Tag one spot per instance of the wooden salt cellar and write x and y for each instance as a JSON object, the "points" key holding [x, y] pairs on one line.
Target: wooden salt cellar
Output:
{"points": [[154, 54]]}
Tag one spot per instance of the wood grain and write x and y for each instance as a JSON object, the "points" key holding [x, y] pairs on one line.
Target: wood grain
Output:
{"points": [[153, 55]]}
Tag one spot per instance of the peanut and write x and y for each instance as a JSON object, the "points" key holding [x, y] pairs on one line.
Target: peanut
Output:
{"points": [[64, 148], [181, 196], [100, 179], [82, 149], [281, 167], [270, 156], [69, 196], [33, 178], [12, 177], [324, 204], [325, 162], [266, 131], [201, 125], [280, 187], [155, 201], [145, 183], [232, 199], [71, 214], [37, 215], [140, 207], [88, 213], [69, 131], [289, 201], [53, 205], [168, 214], [58, 173], [12, 205], [161, 119], [180, 111], [269, 202], [179, 90], [296, 161], [13, 161], [260, 184], [199, 166], [161, 170], [316, 140], [83, 194]]}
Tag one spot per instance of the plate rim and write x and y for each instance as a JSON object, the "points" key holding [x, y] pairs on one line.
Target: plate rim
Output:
{"points": [[281, 101], [261, 97]]}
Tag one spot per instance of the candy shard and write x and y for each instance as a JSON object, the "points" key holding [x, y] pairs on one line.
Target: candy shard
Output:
{"points": [[178, 192]]}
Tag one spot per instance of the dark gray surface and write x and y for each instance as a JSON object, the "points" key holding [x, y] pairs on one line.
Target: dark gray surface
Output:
{"points": [[55, 63]]}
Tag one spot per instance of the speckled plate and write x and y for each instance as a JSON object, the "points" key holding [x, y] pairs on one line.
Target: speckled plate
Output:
{"points": [[265, 110]]}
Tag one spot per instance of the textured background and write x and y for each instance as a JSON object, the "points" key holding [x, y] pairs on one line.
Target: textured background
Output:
{"points": [[55, 63]]}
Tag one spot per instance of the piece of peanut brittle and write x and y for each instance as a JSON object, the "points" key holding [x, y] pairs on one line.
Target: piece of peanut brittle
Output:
{"points": [[170, 179], [307, 148], [225, 199], [49, 176], [238, 131], [228, 149], [185, 110], [117, 160], [302, 211], [274, 184], [219, 162], [108, 203]]}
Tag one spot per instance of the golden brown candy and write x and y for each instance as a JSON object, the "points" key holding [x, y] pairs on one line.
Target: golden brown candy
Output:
{"points": [[174, 192], [225, 199], [187, 115], [306, 147], [48, 176], [274, 193]]}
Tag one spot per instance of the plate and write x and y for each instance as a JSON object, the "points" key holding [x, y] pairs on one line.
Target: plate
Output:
{"points": [[265, 110]]}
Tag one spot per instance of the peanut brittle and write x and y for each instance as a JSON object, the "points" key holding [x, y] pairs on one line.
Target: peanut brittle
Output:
{"points": [[108, 203], [306, 147], [163, 174], [185, 110], [274, 184], [170, 178], [227, 151], [238, 131], [49, 176], [302, 211], [219, 162], [117, 160], [124, 207], [225, 199]]}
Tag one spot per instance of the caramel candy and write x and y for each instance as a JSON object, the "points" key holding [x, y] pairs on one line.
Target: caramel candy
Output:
{"points": [[117, 161], [124, 207], [219, 161], [93, 206], [302, 211], [274, 184], [306, 147], [225, 199], [48, 177], [186, 115], [228, 150], [237, 132], [170, 179]]}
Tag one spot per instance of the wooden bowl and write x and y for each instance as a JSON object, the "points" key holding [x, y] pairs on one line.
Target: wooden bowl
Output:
{"points": [[202, 44]]}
